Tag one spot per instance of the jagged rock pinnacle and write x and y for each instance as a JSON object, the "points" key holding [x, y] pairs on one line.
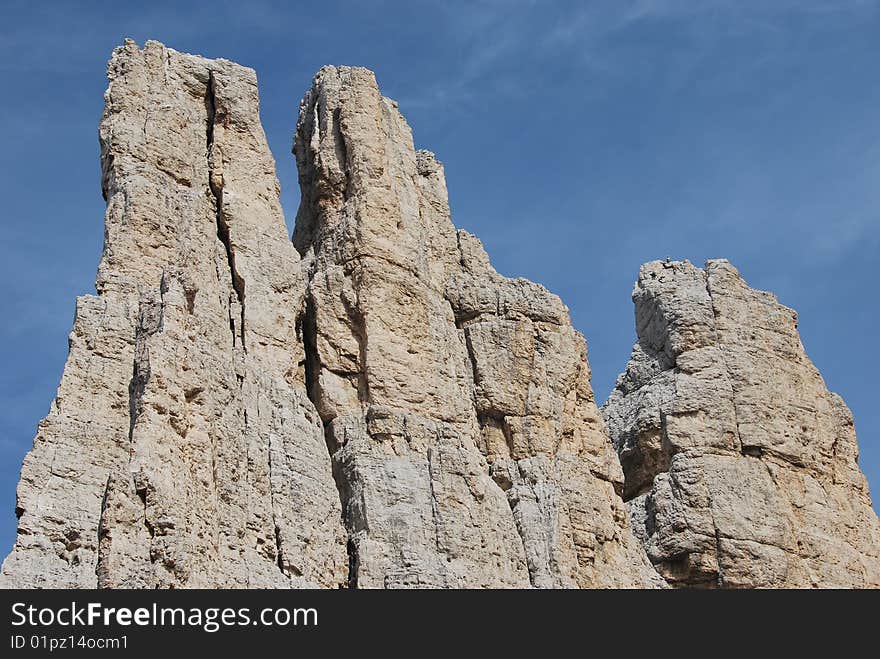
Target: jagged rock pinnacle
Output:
{"points": [[741, 467], [457, 403], [182, 449]]}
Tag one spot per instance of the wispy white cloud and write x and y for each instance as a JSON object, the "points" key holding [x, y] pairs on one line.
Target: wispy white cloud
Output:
{"points": [[494, 36]]}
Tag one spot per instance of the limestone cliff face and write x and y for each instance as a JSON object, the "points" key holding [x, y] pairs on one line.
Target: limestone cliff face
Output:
{"points": [[371, 405], [182, 449], [457, 403], [741, 467]]}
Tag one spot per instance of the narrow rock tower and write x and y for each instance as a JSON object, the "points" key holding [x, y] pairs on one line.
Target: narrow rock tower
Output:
{"points": [[741, 467], [457, 403], [181, 449]]}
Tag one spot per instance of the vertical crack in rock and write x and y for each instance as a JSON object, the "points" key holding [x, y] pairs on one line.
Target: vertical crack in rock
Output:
{"points": [[279, 549], [308, 325], [716, 537], [215, 184], [100, 574], [140, 367], [762, 487], [202, 465], [151, 316], [435, 513]]}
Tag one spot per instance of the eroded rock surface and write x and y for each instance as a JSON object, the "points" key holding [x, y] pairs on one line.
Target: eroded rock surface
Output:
{"points": [[373, 405], [457, 403], [181, 449], [741, 467], [385, 411]]}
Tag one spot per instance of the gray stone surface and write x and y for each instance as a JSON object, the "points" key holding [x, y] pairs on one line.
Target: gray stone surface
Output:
{"points": [[181, 449], [372, 405], [741, 467], [457, 402]]}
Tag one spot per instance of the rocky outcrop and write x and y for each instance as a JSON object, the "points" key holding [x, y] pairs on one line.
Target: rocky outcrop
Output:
{"points": [[384, 411], [741, 467], [457, 403], [181, 449], [372, 405]]}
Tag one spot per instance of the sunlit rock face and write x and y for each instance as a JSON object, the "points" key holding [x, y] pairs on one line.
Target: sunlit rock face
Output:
{"points": [[457, 402], [372, 405], [741, 467]]}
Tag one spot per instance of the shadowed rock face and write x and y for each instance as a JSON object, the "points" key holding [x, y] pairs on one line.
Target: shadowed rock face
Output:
{"points": [[371, 405], [741, 467]]}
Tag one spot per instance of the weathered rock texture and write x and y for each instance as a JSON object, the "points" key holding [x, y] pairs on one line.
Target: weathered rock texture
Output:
{"points": [[181, 449], [372, 405], [741, 467], [457, 403], [453, 440]]}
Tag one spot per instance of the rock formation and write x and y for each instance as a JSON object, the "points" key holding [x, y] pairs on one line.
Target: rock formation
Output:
{"points": [[371, 405], [741, 467], [386, 411], [182, 449], [457, 403]]}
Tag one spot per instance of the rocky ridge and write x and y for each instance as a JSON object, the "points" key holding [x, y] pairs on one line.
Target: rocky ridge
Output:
{"points": [[372, 405]]}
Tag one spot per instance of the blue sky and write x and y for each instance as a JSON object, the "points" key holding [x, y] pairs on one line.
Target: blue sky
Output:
{"points": [[580, 140]]}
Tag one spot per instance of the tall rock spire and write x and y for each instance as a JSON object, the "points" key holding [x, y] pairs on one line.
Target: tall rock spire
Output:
{"points": [[181, 449], [741, 467], [457, 403]]}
